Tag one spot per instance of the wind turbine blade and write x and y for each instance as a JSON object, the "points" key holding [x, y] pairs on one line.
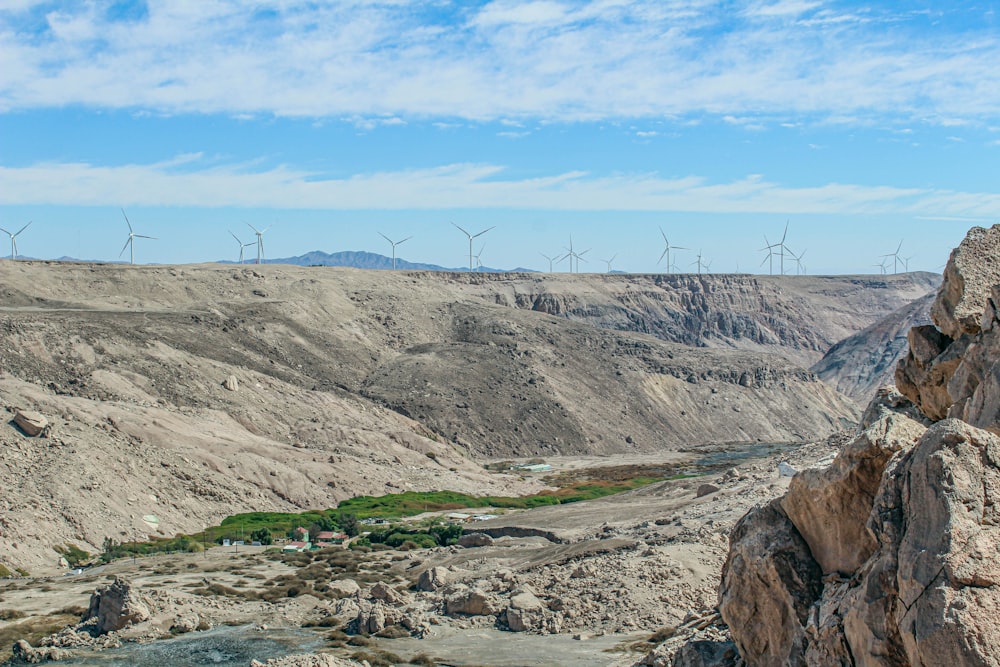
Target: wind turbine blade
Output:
{"points": [[5, 231], [235, 237], [127, 221], [140, 236], [765, 260], [23, 228], [254, 229], [664, 234], [386, 238], [579, 255], [664, 255], [462, 230], [125, 247], [679, 247], [404, 240], [484, 231], [785, 235]]}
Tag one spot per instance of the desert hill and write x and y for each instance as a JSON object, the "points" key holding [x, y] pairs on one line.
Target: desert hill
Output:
{"points": [[858, 365], [358, 382]]}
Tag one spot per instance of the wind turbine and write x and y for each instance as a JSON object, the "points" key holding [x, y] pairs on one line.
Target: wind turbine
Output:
{"points": [[260, 241], [666, 252], [479, 262], [551, 259], [573, 255], [896, 259], [701, 264], [13, 240], [394, 244], [800, 268], [882, 265], [472, 236], [782, 251], [243, 246], [608, 261], [132, 236]]}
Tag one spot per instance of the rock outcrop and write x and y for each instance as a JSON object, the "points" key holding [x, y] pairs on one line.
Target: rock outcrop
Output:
{"points": [[952, 368], [115, 607], [888, 555]]}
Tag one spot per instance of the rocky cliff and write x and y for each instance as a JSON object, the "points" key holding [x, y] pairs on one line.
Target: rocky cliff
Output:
{"points": [[888, 555]]}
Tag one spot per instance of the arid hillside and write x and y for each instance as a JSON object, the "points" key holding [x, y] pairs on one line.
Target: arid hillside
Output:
{"points": [[858, 365], [355, 382]]}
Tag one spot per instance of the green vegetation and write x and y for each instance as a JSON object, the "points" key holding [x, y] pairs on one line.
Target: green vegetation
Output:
{"points": [[112, 549], [4, 572], [264, 526], [73, 554]]}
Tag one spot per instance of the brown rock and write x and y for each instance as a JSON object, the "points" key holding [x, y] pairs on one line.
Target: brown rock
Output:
{"points": [[115, 607], [471, 602], [769, 583], [971, 272], [830, 506], [475, 540], [433, 579], [231, 383], [924, 378], [30, 422], [948, 571], [706, 490]]}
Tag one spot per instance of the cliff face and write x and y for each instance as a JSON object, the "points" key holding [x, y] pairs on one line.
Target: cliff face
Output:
{"points": [[888, 555]]}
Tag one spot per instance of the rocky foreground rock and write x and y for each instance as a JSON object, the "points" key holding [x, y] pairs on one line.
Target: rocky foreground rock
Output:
{"points": [[888, 555]]}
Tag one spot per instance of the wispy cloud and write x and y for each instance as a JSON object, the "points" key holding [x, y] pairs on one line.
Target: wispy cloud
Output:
{"points": [[548, 59], [190, 180]]}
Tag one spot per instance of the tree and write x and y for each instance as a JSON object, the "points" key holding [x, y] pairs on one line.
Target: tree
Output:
{"points": [[262, 535], [349, 524]]}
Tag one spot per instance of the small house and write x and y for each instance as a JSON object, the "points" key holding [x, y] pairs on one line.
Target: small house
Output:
{"points": [[296, 546]]}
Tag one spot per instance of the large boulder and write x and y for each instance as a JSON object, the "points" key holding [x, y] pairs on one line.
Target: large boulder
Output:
{"points": [[948, 572], [31, 423], [830, 506], [433, 579], [465, 601], [769, 583], [115, 607]]}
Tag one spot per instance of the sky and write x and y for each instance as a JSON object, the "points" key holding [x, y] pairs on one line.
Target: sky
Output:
{"points": [[608, 123]]}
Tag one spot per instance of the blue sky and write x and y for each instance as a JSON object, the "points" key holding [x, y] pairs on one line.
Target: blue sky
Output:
{"points": [[860, 124]]}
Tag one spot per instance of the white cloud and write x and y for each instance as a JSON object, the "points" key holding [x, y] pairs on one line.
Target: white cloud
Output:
{"points": [[515, 59], [190, 180]]}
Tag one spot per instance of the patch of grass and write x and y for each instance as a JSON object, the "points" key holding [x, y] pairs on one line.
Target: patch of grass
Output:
{"points": [[73, 554], [11, 614], [423, 660], [4, 572]]}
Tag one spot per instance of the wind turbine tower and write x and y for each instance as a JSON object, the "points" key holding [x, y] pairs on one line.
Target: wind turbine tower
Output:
{"points": [[260, 241], [701, 264], [132, 236], [471, 237], [478, 256], [896, 259], [13, 240], [666, 251], [243, 247], [573, 255], [394, 244], [551, 259], [609, 261]]}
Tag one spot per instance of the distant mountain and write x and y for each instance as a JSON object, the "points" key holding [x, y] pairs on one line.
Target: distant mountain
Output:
{"points": [[370, 260]]}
